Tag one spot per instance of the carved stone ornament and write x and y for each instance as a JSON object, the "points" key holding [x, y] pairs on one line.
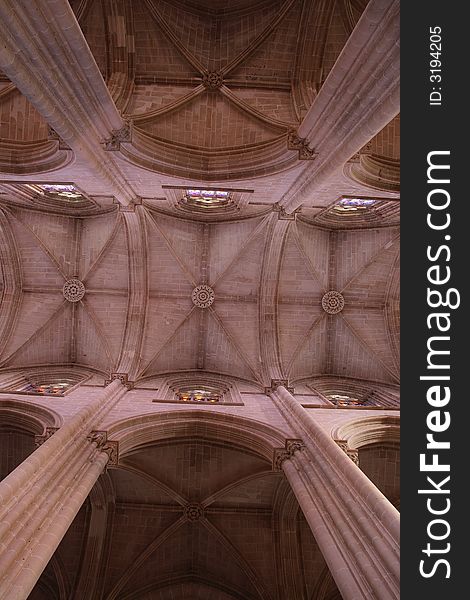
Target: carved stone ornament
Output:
{"points": [[111, 447], [73, 290], [282, 215], [213, 80], [193, 512], [203, 296], [122, 377], [40, 439], [332, 302], [282, 454], [275, 383], [118, 137], [351, 452], [294, 142]]}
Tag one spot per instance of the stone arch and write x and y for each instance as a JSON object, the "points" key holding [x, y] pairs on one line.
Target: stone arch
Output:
{"points": [[27, 380], [289, 572], [246, 434], [185, 589], [369, 430], [326, 588], [225, 435], [31, 418], [21, 424], [370, 393], [376, 440]]}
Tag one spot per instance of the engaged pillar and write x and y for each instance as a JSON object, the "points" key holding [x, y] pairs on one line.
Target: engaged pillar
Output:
{"points": [[355, 526], [41, 497]]}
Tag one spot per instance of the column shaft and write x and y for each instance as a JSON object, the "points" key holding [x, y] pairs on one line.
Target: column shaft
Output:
{"points": [[360, 96], [45, 54], [41, 497], [355, 526]]}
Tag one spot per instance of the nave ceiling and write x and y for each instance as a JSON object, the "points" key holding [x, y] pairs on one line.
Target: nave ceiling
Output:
{"points": [[288, 106], [174, 256], [268, 266]]}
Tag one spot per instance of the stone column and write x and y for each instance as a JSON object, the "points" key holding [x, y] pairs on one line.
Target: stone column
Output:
{"points": [[41, 497], [45, 54], [360, 96], [355, 526]]}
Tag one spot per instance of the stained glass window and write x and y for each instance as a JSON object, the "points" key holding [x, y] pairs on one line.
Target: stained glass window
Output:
{"points": [[200, 394], [56, 388], [63, 191], [207, 198], [354, 204], [344, 400]]}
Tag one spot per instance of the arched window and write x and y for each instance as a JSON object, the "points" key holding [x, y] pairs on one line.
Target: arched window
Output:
{"points": [[348, 205], [207, 198], [200, 394], [344, 400], [57, 191], [48, 388], [54, 383]]}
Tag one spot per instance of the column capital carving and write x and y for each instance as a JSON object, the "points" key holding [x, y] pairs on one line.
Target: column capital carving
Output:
{"points": [[275, 383], [129, 207], [110, 447], [282, 215], [122, 377], [119, 136], [282, 454], [40, 439], [294, 142], [53, 135], [351, 452]]}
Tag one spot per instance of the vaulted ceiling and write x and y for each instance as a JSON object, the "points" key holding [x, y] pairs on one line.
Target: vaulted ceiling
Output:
{"points": [[290, 106], [177, 521], [220, 109], [227, 337]]}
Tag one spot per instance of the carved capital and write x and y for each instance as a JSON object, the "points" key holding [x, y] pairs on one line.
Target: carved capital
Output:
{"points": [[118, 137], [294, 142], [351, 452], [282, 454], [129, 207], [123, 378], [111, 447], [98, 437], [112, 450], [53, 135], [40, 439], [282, 215], [275, 383]]}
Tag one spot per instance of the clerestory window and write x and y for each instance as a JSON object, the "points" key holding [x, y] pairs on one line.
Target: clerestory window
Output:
{"points": [[344, 400], [347, 205], [60, 191], [200, 394], [207, 198]]}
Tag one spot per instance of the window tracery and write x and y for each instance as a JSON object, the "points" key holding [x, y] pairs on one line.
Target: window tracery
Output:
{"points": [[200, 394], [58, 191], [344, 400], [207, 198], [46, 388], [352, 205]]}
